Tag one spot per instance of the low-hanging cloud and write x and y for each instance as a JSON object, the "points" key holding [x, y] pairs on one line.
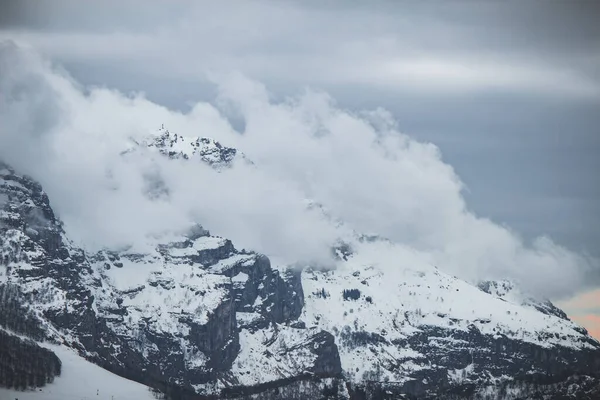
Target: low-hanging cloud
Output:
{"points": [[370, 175]]}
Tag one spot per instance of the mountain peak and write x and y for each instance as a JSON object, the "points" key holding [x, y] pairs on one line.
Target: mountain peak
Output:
{"points": [[206, 149]]}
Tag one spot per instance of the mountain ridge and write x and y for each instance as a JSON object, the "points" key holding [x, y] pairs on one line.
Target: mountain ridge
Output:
{"points": [[195, 317]]}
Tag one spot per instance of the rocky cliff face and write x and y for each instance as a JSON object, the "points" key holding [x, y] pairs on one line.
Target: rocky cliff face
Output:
{"points": [[189, 314]]}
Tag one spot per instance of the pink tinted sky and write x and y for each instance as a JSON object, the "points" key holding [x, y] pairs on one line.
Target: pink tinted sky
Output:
{"points": [[585, 310]]}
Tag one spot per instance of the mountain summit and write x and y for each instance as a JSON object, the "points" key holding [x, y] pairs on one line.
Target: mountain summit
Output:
{"points": [[204, 149]]}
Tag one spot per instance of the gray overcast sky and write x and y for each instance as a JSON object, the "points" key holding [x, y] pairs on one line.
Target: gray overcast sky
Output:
{"points": [[510, 92]]}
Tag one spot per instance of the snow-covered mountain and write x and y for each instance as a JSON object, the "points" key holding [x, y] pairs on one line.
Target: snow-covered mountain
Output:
{"points": [[202, 149], [194, 317]]}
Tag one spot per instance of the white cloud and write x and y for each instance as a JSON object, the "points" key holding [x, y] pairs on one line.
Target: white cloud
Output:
{"points": [[358, 165], [468, 75]]}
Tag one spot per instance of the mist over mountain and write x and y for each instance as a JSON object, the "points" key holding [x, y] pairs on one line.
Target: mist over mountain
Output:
{"points": [[258, 247], [359, 165]]}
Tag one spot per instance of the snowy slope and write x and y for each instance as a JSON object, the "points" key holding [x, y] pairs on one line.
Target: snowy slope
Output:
{"points": [[508, 291], [81, 379], [400, 296]]}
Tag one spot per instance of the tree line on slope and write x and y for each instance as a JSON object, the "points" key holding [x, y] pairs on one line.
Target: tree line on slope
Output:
{"points": [[25, 364]]}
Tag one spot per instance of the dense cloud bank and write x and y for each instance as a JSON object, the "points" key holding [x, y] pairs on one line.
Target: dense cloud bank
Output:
{"points": [[358, 165]]}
